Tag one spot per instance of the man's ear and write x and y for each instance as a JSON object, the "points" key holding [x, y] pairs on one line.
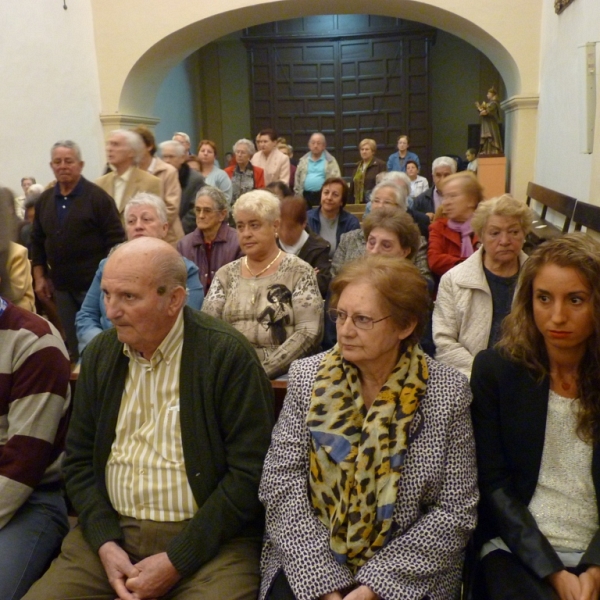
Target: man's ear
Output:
{"points": [[178, 298]]}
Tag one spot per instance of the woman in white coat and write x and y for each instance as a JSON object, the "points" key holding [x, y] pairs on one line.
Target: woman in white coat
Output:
{"points": [[474, 297]]}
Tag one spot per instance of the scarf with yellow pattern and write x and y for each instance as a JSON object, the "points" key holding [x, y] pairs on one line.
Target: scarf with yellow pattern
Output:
{"points": [[357, 455]]}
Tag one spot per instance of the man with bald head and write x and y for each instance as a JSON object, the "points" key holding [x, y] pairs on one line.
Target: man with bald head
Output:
{"points": [[314, 168], [171, 423]]}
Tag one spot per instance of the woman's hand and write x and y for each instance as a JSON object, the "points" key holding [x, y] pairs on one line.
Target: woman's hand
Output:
{"points": [[590, 583], [567, 585], [362, 593], [332, 596]]}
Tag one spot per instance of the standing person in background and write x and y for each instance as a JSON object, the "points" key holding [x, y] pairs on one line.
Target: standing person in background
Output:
{"points": [[207, 153], [76, 224], [244, 176], [26, 183], [272, 161], [184, 139], [471, 155], [365, 176], [418, 183], [287, 150], [170, 182], [124, 150], [190, 181], [313, 169], [398, 160]]}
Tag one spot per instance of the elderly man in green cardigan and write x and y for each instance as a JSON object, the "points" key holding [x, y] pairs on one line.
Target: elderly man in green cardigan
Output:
{"points": [[172, 420]]}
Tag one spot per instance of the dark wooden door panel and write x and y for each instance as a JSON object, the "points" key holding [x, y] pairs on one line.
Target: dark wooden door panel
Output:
{"points": [[350, 88]]}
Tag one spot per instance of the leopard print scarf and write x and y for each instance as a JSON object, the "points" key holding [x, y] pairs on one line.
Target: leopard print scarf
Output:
{"points": [[357, 456]]}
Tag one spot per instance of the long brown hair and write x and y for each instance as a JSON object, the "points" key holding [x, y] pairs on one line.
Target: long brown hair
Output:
{"points": [[522, 342]]}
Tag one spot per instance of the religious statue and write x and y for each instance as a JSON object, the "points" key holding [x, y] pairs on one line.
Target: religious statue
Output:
{"points": [[490, 140]]}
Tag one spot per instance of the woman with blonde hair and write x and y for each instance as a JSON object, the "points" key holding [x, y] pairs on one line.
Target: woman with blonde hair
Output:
{"points": [[269, 296], [474, 297], [365, 177], [536, 416]]}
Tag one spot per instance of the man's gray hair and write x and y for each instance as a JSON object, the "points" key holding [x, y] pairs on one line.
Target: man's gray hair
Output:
{"points": [[216, 195], [399, 192], [134, 141], [444, 161], [321, 134], [177, 146], [70, 144], [248, 143], [146, 199], [169, 272], [184, 135]]}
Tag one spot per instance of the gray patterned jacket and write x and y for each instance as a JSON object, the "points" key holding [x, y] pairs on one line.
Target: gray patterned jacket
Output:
{"points": [[434, 515]]}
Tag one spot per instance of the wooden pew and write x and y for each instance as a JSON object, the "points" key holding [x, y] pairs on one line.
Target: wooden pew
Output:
{"points": [[586, 215], [562, 204]]}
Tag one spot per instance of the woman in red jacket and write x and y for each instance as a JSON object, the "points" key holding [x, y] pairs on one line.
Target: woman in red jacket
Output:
{"points": [[451, 238]]}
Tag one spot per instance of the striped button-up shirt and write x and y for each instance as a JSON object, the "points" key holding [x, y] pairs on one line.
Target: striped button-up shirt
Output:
{"points": [[145, 473]]}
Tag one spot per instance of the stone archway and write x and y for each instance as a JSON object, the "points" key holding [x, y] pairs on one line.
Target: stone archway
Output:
{"points": [[132, 61]]}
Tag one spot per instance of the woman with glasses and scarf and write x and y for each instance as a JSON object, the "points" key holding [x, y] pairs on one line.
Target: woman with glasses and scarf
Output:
{"points": [[369, 484]]}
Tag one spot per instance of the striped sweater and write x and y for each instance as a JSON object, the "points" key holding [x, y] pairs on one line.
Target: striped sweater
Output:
{"points": [[34, 401]]}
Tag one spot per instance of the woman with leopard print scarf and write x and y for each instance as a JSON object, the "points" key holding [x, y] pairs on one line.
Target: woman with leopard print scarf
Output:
{"points": [[370, 482]]}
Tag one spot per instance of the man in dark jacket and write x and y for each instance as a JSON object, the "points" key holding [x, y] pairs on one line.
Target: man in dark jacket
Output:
{"points": [[76, 224], [191, 181], [428, 202]]}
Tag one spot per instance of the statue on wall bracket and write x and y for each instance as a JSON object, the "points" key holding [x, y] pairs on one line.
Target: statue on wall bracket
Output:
{"points": [[560, 5], [490, 143]]}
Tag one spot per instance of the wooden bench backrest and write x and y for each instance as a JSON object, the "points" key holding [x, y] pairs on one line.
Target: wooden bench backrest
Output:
{"points": [[586, 215], [561, 203]]}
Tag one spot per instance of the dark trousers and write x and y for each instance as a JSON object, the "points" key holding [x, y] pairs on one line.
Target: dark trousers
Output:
{"points": [[280, 589], [502, 576], [312, 198], [68, 304]]}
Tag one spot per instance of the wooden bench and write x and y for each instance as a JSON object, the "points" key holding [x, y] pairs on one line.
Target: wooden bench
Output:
{"points": [[586, 215], [560, 203], [358, 210]]}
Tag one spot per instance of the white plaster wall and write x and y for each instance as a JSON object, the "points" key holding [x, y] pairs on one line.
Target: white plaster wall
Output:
{"points": [[559, 163], [175, 106], [50, 86]]}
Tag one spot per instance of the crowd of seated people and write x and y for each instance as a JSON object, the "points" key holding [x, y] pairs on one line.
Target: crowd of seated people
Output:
{"points": [[441, 384]]}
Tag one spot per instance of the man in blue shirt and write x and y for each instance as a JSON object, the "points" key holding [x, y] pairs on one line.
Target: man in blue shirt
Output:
{"points": [[313, 169], [398, 160]]}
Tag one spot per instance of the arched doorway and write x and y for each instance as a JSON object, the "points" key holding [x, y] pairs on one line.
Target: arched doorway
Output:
{"points": [[170, 33]]}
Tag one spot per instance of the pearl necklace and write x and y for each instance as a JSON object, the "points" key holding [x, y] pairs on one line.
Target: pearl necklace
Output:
{"points": [[257, 275]]}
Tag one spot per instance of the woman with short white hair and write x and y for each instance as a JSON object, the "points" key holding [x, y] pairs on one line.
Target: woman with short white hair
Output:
{"points": [[269, 296], [244, 176], [145, 216]]}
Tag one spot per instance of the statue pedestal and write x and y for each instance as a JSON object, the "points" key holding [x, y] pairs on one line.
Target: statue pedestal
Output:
{"points": [[491, 172]]}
